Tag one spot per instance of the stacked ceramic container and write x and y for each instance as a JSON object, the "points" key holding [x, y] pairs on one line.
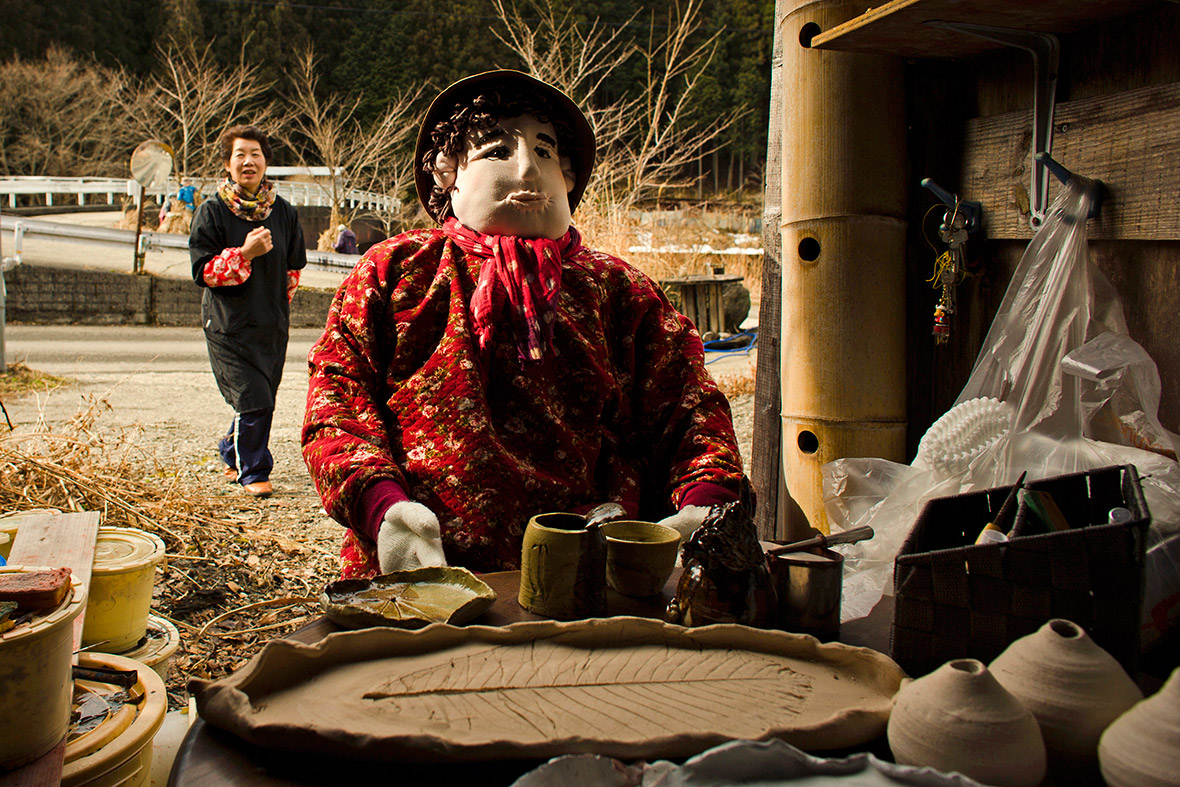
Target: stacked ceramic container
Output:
{"points": [[1040, 711]]}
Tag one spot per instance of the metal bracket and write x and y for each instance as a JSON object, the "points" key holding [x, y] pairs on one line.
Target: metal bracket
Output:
{"points": [[1045, 52]]}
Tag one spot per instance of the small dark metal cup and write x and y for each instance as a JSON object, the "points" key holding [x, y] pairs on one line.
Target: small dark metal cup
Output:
{"points": [[809, 589]]}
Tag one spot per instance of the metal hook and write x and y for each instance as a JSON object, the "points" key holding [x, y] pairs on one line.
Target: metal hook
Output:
{"points": [[970, 210], [1045, 52], [1096, 188]]}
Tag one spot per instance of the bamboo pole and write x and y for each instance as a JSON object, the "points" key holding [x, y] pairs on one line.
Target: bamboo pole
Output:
{"points": [[843, 269]]}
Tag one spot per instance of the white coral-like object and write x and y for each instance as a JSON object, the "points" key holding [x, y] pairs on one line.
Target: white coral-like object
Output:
{"points": [[963, 433]]}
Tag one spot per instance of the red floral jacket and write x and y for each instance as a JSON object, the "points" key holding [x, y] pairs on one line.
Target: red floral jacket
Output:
{"points": [[620, 408]]}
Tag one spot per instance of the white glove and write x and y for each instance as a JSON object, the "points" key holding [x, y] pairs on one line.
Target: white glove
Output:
{"points": [[686, 521], [409, 538]]}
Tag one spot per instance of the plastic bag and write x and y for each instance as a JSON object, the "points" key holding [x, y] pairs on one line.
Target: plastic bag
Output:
{"points": [[1077, 393]]}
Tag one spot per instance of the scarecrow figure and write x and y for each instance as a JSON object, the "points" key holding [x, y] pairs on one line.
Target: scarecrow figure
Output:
{"points": [[475, 374]]}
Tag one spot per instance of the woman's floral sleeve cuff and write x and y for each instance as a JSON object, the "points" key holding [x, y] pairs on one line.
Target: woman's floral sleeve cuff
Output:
{"points": [[227, 268], [292, 284]]}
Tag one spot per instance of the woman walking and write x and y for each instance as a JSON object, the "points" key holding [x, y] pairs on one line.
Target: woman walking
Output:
{"points": [[247, 251]]}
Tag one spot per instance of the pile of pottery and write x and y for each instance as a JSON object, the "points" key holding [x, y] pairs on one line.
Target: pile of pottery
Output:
{"points": [[1052, 706]]}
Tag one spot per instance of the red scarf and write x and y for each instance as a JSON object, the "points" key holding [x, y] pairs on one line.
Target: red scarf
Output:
{"points": [[524, 271]]}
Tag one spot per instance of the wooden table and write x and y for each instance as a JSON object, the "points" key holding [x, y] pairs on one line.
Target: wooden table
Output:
{"points": [[209, 756]]}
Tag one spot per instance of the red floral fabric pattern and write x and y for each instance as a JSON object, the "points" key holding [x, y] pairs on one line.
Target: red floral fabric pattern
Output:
{"points": [[623, 408], [227, 268], [292, 283]]}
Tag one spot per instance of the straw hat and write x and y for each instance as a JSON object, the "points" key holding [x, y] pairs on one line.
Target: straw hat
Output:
{"points": [[580, 149]]}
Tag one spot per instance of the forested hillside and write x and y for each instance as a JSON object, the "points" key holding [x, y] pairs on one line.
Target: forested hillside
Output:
{"points": [[138, 68]]}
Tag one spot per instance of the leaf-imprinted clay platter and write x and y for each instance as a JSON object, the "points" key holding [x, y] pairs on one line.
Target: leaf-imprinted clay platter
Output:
{"points": [[621, 687]]}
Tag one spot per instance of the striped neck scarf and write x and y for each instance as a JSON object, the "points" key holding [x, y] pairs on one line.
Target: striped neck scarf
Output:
{"points": [[254, 207], [522, 273]]}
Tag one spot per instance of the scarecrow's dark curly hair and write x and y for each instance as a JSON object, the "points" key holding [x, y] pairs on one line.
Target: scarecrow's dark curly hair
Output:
{"points": [[482, 112]]}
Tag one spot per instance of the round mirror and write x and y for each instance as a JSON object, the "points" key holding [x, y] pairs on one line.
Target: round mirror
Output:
{"points": [[151, 164]]}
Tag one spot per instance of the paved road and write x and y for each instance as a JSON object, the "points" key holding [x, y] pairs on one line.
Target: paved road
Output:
{"points": [[71, 350], [154, 377]]}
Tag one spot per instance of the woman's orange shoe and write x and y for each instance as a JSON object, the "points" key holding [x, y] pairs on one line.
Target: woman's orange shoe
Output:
{"points": [[259, 488]]}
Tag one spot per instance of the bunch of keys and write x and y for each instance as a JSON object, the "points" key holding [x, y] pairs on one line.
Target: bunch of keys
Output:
{"points": [[948, 269]]}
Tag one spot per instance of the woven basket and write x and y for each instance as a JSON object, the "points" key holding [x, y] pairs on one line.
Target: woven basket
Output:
{"points": [[953, 599]]}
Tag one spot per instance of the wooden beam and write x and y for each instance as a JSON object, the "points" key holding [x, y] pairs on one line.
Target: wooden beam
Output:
{"points": [[1128, 140], [902, 27]]}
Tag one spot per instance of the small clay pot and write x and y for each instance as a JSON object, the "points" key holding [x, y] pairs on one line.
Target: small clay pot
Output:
{"points": [[958, 718], [1142, 747], [563, 568], [640, 556], [1074, 688]]}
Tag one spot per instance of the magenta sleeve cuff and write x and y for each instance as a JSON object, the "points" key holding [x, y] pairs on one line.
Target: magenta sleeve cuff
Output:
{"points": [[375, 501], [706, 494]]}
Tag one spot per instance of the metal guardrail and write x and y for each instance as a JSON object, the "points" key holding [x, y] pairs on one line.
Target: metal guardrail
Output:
{"points": [[20, 227], [298, 193], [12, 186]]}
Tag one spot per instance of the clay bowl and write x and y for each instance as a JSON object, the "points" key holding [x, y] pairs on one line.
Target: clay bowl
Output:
{"points": [[639, 556]]}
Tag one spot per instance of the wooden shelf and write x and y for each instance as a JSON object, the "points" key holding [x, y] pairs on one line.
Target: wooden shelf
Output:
{"points": [[901, 27]]}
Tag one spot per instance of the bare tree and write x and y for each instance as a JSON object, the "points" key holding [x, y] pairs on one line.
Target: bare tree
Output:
{"points": [[327, 131], [661, 158], [60, 116], [192, 100], [646, 143]]}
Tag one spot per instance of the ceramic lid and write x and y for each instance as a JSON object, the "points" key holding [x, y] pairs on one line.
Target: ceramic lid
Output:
{"points": [[66, 611], [161, 641], [120, 549]]}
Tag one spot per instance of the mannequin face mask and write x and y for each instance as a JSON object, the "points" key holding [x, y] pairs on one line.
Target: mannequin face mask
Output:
{"points": [[510, 180]]}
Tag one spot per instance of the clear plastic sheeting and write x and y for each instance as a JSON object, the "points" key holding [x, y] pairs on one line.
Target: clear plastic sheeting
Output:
{"points": [[1078, 394]]}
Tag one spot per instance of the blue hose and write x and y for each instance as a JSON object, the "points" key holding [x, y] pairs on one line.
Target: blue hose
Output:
{"points": [[720, 352]]}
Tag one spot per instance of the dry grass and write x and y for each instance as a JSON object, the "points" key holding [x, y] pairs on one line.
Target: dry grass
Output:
{"points": [[737, 384], [233, 577], [678, 240], [81, 467], [19, 380]]}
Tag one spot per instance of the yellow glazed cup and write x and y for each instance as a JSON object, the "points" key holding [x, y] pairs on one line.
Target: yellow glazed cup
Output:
{"points": [[640, 556], [563, 568], [125, 561]]}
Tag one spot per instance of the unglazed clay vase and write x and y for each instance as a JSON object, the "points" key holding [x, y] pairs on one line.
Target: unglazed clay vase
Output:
{"points": [[959, 718], [1074, 688], [1141, 748]]}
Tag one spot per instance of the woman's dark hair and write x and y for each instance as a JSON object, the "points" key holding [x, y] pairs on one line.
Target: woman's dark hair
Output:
{"points": [[483, 111], [253, 133]]}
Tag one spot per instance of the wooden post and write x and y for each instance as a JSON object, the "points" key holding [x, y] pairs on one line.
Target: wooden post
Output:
{"points": [[765, 467], [137, 263], [843, 268]]}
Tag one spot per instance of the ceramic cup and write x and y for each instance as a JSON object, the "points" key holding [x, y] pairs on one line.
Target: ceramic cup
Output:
{"points": [[563, 568], [640, 556]]}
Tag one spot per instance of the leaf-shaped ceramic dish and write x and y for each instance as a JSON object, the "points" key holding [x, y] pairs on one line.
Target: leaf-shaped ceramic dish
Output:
{"points": [[621, 687], [408, 599]]}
